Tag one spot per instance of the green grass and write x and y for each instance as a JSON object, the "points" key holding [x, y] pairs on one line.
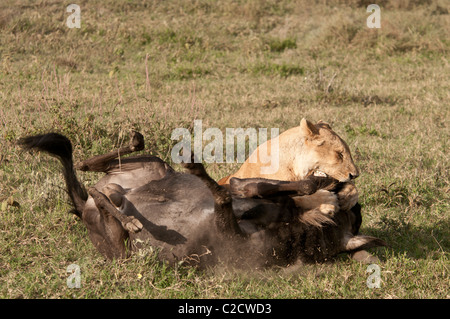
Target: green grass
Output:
{"points": [[156, 66]]}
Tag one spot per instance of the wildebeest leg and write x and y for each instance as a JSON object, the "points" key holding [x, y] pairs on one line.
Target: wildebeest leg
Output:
{"points": [[106, 232], [129, 223], [100, 163], [108, 229], [225, 219], [257, 187], [356, 220], [115, 193]]}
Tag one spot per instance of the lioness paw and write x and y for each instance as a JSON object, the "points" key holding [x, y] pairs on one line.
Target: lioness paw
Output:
{"points": [[328, 209]]}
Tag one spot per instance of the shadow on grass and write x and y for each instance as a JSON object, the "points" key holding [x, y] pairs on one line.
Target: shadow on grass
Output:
{"points": [[418, 242]]}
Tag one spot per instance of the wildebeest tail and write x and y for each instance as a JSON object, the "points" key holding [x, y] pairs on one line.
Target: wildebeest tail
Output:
{"points": [[59, 146]]}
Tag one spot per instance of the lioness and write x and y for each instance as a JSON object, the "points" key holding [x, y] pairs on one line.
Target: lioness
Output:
{"points": [[308, 149]]}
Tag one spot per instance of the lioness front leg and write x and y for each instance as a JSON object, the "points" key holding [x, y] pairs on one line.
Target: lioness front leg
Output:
{"points": [[324, 201], [347, 196], [329, 202]]}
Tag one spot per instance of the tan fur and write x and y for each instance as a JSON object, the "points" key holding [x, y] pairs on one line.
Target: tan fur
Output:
{"points": [[304, 150], [347, 196], [326, 201]]}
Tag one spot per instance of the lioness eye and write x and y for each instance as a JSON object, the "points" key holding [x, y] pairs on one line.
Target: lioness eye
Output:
{"points": [[341, 155]]}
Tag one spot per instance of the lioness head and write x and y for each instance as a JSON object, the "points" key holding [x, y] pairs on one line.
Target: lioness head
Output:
{"points": [[324, 153], [303, 150]]}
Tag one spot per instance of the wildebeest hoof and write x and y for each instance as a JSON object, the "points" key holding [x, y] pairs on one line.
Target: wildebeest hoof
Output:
{"points": [[364, 257], [196, 169], [137, 141], [132, 224]]}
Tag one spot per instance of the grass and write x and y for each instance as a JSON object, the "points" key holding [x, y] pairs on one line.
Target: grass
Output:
{"points": [[155, 66]]}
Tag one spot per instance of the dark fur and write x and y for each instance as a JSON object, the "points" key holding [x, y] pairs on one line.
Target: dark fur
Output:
{"points": [[60, 147], [192, 218]]}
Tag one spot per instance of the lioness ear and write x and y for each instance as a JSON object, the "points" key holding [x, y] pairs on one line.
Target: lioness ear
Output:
{"points": [[322, 123], [308, 129]]}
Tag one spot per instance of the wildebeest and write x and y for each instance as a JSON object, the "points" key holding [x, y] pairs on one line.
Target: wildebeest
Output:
{"points": [[191, 218]]}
